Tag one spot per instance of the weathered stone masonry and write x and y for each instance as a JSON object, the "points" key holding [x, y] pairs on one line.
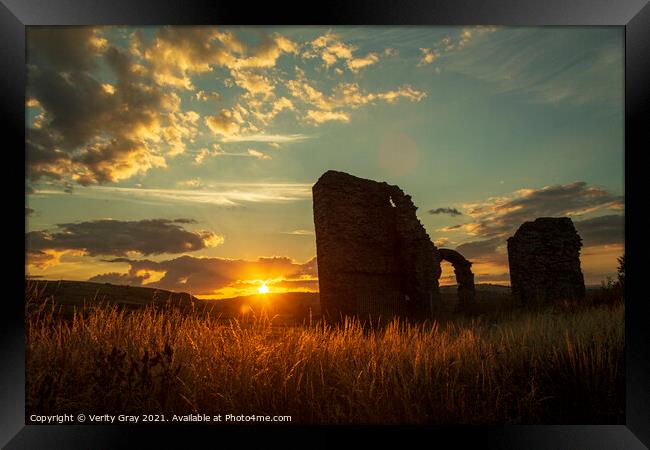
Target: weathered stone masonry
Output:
{"points": [[544, 257], [374, 256]]}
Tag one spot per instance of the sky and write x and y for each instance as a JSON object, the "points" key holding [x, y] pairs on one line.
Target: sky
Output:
{"points": [[183, 158]]}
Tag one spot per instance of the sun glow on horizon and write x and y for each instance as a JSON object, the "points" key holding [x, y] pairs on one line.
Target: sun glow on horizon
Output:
{"points": [[263, 289]]}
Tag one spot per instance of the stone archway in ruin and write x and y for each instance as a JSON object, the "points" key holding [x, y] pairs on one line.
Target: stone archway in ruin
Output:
{"points": [[464, 275]]}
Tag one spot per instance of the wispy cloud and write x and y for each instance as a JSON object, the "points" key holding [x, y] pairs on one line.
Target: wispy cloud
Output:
{"points": [[343, 98], [253, 153], [548, 67], [331, 49], [319, 117], [300, 232], [276, 138], [453, 43], [218, 151], [205, 152], [222, 194]]}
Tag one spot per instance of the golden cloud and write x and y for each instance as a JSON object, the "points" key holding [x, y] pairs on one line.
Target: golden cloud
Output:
{"points": [[267, 55], [226, 123], [257, 154], [253, 83], [178, 52], [356, 64], [343, 98], [327, 116], [128, 119], [331, 49], [449, 44], [92, 131]]}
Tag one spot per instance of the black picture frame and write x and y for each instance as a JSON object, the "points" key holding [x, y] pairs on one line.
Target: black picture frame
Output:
{"points": [[634, 15]]}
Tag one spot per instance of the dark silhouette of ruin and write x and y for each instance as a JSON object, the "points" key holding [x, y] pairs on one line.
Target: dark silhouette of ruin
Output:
{"points": [[464, 276], [544, 258], [375, 259], [377, 262]]}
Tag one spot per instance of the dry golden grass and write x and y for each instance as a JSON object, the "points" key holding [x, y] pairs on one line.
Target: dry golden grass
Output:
{"points": [[519, 367]]}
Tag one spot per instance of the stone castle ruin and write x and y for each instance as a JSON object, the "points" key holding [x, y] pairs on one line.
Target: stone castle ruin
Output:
{"points": [[544, 258], [377, 262], [375, 259]]}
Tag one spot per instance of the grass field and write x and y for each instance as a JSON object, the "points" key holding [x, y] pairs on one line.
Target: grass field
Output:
{"points": [[551, 366]]}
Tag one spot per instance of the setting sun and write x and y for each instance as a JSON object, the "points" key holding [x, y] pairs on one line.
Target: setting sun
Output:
{"points": [[263, 289]]}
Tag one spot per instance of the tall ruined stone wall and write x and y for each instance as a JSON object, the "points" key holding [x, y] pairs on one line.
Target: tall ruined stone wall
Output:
{"points": [[544, 258], [374, 256]]}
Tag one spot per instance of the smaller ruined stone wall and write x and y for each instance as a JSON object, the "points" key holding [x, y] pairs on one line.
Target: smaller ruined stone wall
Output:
{"points": [[544, 258], [464, 276]]}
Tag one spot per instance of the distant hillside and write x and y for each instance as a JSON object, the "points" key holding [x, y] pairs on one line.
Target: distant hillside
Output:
{"points": [[287, 307], [71, 294], [76, 293]]}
